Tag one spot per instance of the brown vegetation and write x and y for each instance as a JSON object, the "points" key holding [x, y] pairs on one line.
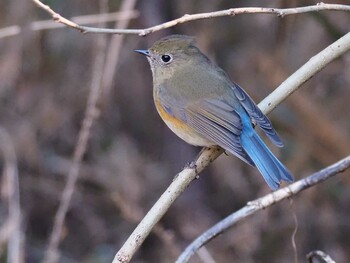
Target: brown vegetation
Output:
{"points": [[132, 156]]}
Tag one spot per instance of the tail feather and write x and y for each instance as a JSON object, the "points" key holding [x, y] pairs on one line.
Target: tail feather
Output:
{"points": [[269, 166]]}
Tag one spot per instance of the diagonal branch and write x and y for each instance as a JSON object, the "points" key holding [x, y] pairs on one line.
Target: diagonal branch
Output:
{"points": [[184, 178], [319, 254], [280, 12], [263, 203]]}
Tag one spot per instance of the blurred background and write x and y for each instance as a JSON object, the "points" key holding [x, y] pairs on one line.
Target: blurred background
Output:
{"points": [[131, 157]]}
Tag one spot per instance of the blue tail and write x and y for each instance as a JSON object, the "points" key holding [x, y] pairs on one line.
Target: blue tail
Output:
{"points": [[269, 166]]}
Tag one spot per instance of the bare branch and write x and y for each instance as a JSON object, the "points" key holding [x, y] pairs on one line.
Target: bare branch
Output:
{"points": [[91, 114], [8, 228], [208, 155], [9, 31], [82, 20], [263, 203], [280, 12], [205, 256], [319, 254], [307, 71], [57, 17], [12, 227], [114, 47], [184, 178], [87, 19], [179, 184]]}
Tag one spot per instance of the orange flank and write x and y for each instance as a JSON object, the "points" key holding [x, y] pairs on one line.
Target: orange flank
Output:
{"points": [[182, 129], [167, 118]]}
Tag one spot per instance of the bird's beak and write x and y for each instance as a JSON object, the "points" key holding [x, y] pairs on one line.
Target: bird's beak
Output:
{"points": [[143, 52]]}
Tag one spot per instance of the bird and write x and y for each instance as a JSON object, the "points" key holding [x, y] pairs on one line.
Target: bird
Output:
{"points": [[197, 100]]}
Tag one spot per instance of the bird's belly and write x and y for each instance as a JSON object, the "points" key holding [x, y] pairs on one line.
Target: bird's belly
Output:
{"points": [[187, 134]]}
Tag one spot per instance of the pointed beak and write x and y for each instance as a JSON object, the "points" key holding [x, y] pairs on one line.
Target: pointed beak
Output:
{"points": [[143, 52]]}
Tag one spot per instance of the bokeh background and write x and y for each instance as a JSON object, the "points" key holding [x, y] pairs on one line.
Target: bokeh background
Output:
{"points": [[45, 79]]}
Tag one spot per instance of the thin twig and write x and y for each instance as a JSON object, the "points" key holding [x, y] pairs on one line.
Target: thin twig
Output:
{"points": [[294, 234], [121, 15], [15, 249], [7, 229], [114, 48], [280, 12], [10, 31], [82, 20], [262, 203], [185, 177], [205, 256], [91, 113]]}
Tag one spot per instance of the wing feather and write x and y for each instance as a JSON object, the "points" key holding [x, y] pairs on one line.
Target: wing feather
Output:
{"points": [[256, 114], [213, 119], [222, 136]]}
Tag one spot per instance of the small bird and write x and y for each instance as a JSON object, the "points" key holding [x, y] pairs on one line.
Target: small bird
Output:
{"points": [[200, 104]]}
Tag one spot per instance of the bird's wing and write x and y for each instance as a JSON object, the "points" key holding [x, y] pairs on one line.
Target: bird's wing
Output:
{"points": [[213, 119], [256, 114]]}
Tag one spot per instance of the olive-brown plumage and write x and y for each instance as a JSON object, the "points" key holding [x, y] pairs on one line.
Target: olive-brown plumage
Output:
{"points": [[199, 103]]}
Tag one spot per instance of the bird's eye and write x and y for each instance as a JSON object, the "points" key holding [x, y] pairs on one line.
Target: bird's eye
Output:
{"points": [[166, 58]]}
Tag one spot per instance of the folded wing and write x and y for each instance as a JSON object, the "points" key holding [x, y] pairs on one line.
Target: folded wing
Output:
{"points": [[256, 114], [214, 119]]}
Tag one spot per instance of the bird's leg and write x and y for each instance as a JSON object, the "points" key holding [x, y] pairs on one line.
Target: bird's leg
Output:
{"points": [[193, 165]]}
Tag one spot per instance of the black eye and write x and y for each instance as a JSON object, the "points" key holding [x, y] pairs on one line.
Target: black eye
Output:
{"points": [[166, 58]]}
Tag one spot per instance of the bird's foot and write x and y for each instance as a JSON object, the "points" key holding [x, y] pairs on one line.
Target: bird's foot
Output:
{"points": [[193, 166]]}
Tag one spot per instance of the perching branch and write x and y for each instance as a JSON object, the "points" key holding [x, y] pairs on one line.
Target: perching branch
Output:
{"points": [[179, 184], [319, 254], [280, 12], [262, 203], [184, 178]]}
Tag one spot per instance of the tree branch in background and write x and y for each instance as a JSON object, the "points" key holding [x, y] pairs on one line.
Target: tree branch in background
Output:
{"points": [[184, 178], [98, 84], [82, 20], [114, 46], [91, 113], [262, 203], [187, 18], [10, 231]]}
